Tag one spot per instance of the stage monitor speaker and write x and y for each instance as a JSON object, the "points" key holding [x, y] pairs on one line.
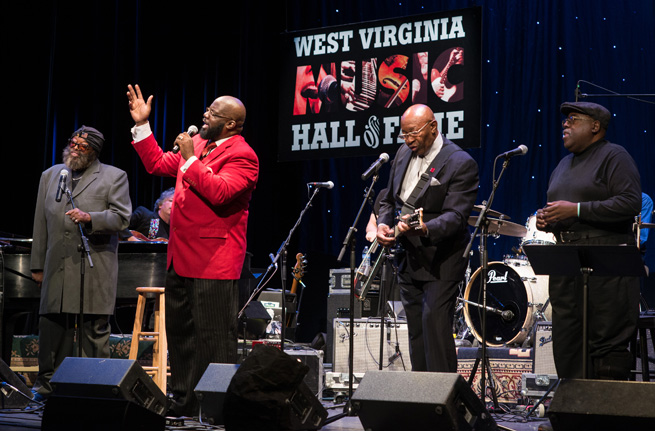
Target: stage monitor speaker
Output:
{"points": [[419, 401], [14, 394], [109, 379], [64, 413], [211, 390], [267, 392], [602, 405]]}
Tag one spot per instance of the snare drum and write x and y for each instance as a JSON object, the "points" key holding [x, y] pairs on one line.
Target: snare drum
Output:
{"points": [[536, 236], [511, 286]]}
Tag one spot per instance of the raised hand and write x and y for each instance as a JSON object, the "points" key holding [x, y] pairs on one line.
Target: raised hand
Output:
{"points": [[139, 107]]}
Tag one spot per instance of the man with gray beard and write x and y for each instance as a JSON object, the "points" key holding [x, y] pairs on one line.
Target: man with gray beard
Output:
{"points": [[102, 207]]}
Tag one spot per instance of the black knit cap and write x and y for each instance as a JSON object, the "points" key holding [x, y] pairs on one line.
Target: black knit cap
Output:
{"points": [[594, 110], [92, 136]]}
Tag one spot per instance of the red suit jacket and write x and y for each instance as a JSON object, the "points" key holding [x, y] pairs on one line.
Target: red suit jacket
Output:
{"points": [[209, 217]]}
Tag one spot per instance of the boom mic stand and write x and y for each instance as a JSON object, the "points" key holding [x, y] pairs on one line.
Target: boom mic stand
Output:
{"points": [[85, 253], [282, 251], [349, 241], [482, 226]]}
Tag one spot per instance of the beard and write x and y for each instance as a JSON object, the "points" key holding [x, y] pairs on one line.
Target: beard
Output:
{"points": [[79, 163], [212, 133]]}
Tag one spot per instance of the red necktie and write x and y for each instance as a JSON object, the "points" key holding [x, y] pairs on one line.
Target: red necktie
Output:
{"points": [[207, 149]]}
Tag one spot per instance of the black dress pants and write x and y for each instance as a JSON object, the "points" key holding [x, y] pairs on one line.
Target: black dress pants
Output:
{"points": [[201, 328]]}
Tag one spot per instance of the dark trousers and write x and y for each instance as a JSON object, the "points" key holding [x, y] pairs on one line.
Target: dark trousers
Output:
{"points": [[201, 329], [613, 314], [57, 342], [430, 308], [612, 321]]}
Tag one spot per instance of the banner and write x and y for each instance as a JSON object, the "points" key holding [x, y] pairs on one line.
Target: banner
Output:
{"points": [[343, 89]]}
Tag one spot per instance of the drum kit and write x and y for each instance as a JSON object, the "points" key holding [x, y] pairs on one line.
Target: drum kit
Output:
{"points": [[516, 297]]}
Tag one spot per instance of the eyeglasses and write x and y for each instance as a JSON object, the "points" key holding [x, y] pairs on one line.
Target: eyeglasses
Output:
{"points": [[214, 114], [80, 145], [572, 119], [414, 134]]}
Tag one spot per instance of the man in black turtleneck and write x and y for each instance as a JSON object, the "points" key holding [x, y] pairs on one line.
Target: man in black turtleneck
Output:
{"points": [[593, 196], [102, 207]]}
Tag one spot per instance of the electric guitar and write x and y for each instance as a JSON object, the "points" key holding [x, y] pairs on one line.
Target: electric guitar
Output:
{"points": [[298, 272], [364, 276], [442, 81]]}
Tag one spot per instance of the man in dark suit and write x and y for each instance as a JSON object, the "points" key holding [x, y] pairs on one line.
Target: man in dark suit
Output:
{"points": [[431, 262], [102, 207], [216, 173]]}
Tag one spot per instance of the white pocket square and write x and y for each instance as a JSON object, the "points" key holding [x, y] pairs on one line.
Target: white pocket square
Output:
{"points": [[434, 182]]}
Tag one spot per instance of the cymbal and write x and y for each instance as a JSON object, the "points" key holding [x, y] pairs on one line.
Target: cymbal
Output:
{"points": [[491, 213], [502, 227]]}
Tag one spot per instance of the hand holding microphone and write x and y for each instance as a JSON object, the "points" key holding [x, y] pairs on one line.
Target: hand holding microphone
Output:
{"points": [[190, 132]]}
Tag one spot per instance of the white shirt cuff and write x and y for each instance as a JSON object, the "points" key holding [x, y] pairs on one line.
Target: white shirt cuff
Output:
{"points": [[139, 133], [188, 163]]}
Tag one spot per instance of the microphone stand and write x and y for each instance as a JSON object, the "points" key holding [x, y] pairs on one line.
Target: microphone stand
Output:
{"points": [[482, 226], [281, 253], [85, 253], [349, 241]]}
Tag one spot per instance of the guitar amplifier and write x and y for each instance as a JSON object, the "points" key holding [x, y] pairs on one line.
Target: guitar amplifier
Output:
{"points": [[544, 363], [366, 345]]}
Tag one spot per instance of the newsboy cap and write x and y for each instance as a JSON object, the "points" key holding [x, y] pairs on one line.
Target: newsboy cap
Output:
{"points": [[594, 110]]}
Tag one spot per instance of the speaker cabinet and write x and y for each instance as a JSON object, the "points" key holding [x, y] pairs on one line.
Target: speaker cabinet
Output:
{"points": [[603, 405], [211, 390], [267, 392], [98, 390], [366, 345], [544, 363], [16, 397], [419, 401]]}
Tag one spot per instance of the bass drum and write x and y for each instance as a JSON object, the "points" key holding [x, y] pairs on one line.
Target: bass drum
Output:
{"points": [[512, 287]]}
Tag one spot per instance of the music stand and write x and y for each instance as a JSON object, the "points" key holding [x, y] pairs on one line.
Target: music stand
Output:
{"points": [[585, 259]]}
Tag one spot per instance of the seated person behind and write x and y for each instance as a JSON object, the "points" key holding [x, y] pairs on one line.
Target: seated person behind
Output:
{"points": [[146, 225]]}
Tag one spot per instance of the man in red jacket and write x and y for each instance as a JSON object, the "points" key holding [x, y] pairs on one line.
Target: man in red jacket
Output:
{"points": [[216, 173]]}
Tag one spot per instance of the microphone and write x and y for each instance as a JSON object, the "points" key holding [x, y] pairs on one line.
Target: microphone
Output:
{"points": [[384, 158], [62, 184], [191, 131], [327, 185], [328, 89], [507, 315], [518, 151]]}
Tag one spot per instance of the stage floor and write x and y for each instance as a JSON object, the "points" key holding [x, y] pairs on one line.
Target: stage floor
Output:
{"points": [[23, 420]]}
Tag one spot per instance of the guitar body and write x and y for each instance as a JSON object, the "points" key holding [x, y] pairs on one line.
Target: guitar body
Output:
{"points": [[448, 92]]}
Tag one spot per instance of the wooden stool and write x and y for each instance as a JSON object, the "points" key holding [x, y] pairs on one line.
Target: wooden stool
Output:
{"points": [[159, 369]]}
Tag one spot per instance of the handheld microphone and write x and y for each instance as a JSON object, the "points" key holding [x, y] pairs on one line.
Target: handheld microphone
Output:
{"points": [[327, 185], [328, 89], [521, 150], [191, 131], [384, 158], [62, 184]]}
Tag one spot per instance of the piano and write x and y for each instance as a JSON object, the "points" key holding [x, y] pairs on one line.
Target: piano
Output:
{"points": [[139, 264]]}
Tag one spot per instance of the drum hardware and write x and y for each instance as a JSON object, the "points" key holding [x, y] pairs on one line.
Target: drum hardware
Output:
{"points": [[490, 212], [504, 314], [485, 227], [499, 226]]}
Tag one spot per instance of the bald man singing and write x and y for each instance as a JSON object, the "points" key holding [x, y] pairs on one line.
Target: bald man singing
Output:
{"points": [[216, 173]]}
